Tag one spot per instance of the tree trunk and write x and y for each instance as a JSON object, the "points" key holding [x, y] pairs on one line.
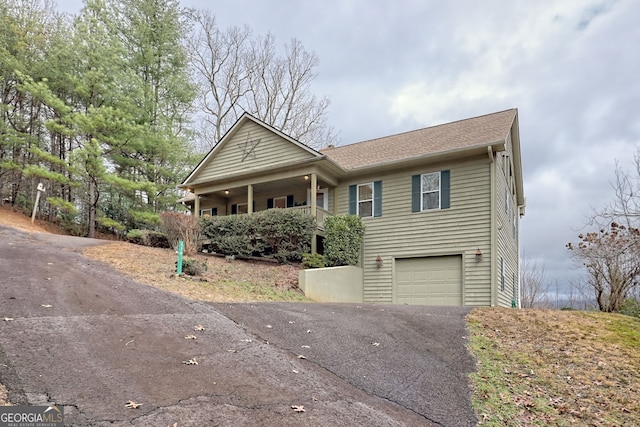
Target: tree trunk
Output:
{"points": [[92, 210]]}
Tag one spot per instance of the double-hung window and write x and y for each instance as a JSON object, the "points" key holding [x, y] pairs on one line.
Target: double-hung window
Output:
{"points": [[365, 200], [430, 191]]}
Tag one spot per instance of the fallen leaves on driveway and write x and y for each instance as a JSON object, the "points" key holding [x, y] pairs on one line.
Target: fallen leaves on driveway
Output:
{"points": [[191, 362], [132, 405], [298, 408], [198, 328]]}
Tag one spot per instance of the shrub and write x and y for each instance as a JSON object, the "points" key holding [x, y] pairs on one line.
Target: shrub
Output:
{"points": [[177, 226], [343, 238], [314, 261], [108, 225], [286, 233], [630, 307], [277, 233], [192, 267], [231, 235], [154, 239], [136, 236]]}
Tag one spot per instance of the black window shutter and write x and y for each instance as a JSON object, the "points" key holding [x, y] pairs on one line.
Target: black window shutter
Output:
{"points": [[214, 211], [234, 209], [377, 198], [269, 203], [353, 199], [415, 193], [445, 189], [290, 201]]}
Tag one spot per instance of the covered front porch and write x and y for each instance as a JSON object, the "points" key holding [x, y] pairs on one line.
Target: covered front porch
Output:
{"points": [[308, 192]]}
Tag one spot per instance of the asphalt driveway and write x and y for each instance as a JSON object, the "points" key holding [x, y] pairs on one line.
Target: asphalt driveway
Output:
{"points": [[87, 338]]}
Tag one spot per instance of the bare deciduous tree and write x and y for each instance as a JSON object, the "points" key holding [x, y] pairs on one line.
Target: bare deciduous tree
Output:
{"points": [[533, 287], [612, 262], [625, 207], [238, 72]]}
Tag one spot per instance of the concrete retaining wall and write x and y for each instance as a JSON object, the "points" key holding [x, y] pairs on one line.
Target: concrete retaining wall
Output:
{"points": [[333, 284]]}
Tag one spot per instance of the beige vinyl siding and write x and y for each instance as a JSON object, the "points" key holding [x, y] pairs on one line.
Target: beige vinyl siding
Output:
{"points": [[400, 233], [272, 150], [507, 243]]}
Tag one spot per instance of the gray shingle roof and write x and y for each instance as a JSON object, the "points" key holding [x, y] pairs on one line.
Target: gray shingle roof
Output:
{"points": [[476, 131]]}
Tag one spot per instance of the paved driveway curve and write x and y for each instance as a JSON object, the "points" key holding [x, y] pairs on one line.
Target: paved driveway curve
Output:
{"points": [[89, 339]]}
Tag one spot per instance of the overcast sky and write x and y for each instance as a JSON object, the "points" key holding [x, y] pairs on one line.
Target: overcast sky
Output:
{"points": [[571, 67]]}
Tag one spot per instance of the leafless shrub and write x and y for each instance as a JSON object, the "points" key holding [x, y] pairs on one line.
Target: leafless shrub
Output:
{"points": [[178, 226]]}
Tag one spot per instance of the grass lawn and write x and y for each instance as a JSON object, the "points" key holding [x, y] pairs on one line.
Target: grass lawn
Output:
{"points": [[555, 368]]}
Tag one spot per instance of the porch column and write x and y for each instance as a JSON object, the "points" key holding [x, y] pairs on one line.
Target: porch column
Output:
{"points": [[250, 199], [314, 202], [196, 205]]}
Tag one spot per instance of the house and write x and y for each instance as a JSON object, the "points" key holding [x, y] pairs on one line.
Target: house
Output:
{"points": [[441, 205]]}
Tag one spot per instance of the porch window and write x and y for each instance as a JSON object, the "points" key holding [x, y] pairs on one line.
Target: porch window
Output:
{"points": [[242, 208], [280, 202], [208, 212], [430, 191]]}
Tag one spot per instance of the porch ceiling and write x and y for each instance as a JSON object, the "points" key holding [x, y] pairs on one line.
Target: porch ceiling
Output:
{"points": [[275, 187]]}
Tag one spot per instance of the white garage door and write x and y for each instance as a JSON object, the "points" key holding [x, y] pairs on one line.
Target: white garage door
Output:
{"points": [[429, 280]]}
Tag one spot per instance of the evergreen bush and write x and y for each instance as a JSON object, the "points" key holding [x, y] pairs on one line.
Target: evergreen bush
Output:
{"points": [[154, 239], [286, 233], [343, 239], [193, 267], [281, 234], [314, 261]]}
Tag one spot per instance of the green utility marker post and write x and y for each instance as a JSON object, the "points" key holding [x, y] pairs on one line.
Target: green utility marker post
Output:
{"points": [[180, 250]]}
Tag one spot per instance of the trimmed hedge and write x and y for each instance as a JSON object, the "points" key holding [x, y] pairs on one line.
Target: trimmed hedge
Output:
{"points": [[343, 239], [282, 234]]}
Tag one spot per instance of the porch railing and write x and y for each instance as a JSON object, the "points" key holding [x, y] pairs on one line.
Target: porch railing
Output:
{"points": [[321, 214]]}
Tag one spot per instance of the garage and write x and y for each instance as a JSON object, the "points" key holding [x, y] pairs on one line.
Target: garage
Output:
{"points": [[429, 280]]}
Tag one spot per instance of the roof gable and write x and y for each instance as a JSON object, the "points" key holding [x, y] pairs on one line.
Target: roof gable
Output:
{"points": [[474, 132], [249, 144]]}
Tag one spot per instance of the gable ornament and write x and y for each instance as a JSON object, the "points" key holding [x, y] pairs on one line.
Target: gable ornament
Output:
{"points": [[248, 147]]}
